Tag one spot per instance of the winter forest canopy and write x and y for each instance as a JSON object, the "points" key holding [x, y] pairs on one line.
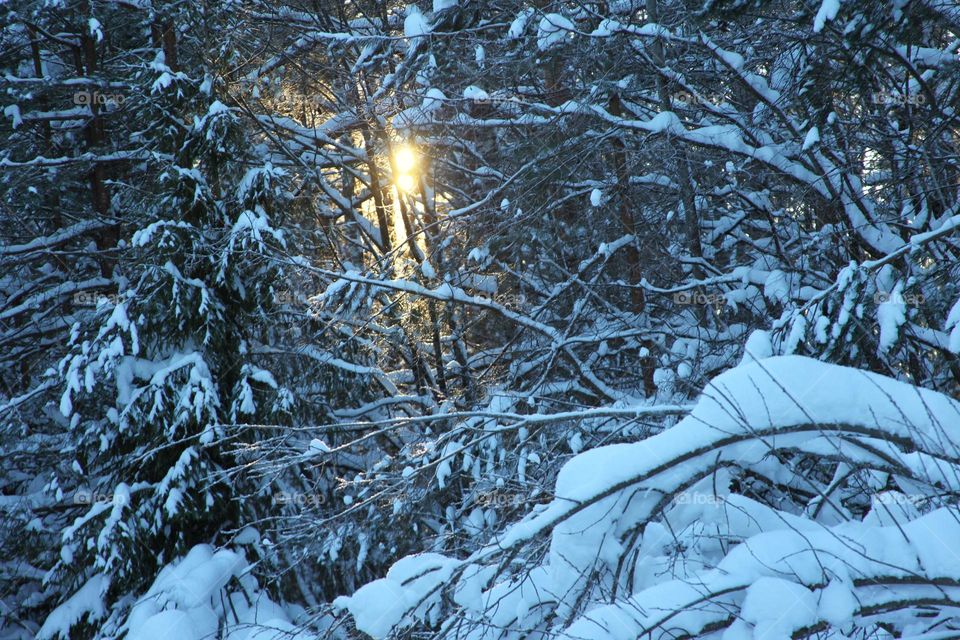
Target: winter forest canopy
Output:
{"points": [[480, 320]]}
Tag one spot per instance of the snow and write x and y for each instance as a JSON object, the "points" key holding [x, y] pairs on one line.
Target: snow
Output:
{"points": [[891, 315], [759, 346], [143, 237], [553, 30], [376, 607], [12, 111], [827, 12], [775, 506], [777, 286], [775, 604], [519, 24], [266, 178], [189, 600], [787, 402], [217, 108], [173, 623], [772, 394], [415, 24], [87, 603], [183, 597], [192, 581], [474, 92], [432, 101], [95, 29], [319, 446], [470, 587], [731, 58], [665, 122], [409, 589], [607, 28], [255, 224], [953, 326], [775, 607], [838, 604]]}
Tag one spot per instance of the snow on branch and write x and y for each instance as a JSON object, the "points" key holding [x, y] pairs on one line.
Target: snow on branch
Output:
{"points": [[617, 507]]}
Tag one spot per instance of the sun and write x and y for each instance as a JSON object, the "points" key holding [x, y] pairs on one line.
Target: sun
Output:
{"points": [[405, 159], [406, 182], [405, 167]]}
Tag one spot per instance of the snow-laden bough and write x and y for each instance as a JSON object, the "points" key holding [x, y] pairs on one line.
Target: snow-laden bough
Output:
{"points": [[796, 498]]}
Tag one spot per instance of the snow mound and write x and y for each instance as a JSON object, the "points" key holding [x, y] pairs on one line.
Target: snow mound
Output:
{"points": [[415, 24], [827, 12], [189, 600], [410, 588], [750, 568], [87, 603], [519, 24], [553, 30], [408, 118], [475, 93]]}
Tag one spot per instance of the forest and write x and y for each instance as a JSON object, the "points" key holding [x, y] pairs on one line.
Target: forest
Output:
{"points": [[479, 320]]}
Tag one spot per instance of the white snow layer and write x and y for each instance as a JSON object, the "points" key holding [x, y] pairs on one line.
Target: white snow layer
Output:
{"points": [[409, 589], [475, 93], [85, 603], [415, 25], [519, 24], [620, 506], [190, 597], [812, 138], [432, 101], [828, 11], [553, 30]]}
